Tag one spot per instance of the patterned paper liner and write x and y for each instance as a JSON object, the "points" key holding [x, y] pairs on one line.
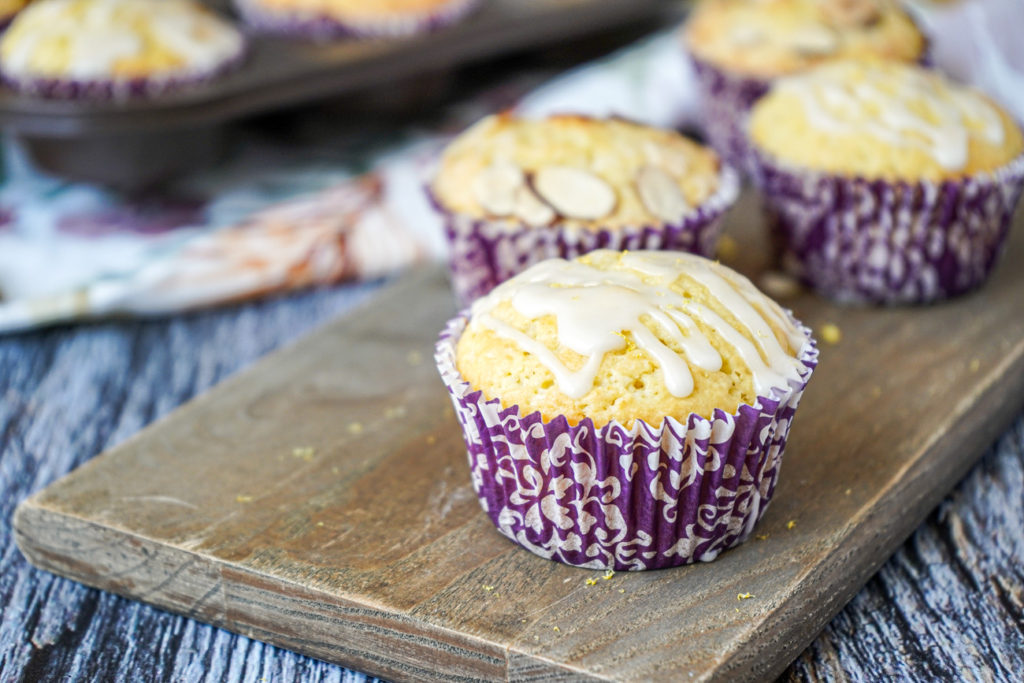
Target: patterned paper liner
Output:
{"points": [[726, 99], [620, 498], [484, 252], [114, 89], [856, 240], [326, 27]]}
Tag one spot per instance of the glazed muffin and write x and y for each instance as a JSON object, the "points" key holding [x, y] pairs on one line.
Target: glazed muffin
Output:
{"points": [[888, 182], [515, 191], [115, 48], [606, 401], [324, 19], [739, 47], [8, 8]]}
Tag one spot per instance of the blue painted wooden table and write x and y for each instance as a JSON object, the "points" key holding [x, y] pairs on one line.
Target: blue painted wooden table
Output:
{"points": [[948, 604]]}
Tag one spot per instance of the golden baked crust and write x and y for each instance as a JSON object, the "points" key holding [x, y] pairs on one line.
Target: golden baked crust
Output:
{"points": [[769, 38], [629, 383], [883, 120], [639, 175], [90, 40]]}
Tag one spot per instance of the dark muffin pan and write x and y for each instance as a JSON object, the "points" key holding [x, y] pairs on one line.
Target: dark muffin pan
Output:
{"points": [[135, 143]]}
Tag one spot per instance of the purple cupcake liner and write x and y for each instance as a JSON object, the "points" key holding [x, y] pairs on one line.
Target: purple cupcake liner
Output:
{"points": [[725, 100], [620, 498], [325, 27], [485, 252], [112, 89], [857, 240]]}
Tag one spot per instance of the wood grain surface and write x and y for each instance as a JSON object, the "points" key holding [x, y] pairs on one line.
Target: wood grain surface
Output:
{"points": [[370, 548]]}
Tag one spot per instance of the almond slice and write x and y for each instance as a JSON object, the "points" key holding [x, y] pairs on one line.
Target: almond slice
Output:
{"points": [[531, 210], [660, 193], [575, 193], [669, 158], [851, 13], [496, 186], [814, 40]]}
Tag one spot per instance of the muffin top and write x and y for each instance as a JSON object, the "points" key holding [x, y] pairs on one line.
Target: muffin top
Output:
{"points": [[628, 335], [573, 170], [117, 40], [768, 38], [883, 120]]}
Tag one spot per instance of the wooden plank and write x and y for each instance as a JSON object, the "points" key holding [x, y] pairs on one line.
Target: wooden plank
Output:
{"points": [[372, 551]]}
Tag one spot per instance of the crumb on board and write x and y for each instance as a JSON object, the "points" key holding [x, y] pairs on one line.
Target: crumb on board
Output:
{"points": [[567, 579], [622, 590], [414, 358], [536, 637], [431, 440], [761, 537], [304, 452], [831, 334], [975, 365], [790, 524], [335, 470], [522, 621], [487, 588], [395, 411], [555, 628], [319, 523], [744, 596], [847, 492], [727, 248], [243, 499], [591, 581], [609, 573], [355, 428]]}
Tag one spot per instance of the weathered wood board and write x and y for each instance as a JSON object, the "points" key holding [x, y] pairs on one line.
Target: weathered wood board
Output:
{"points": [[371, 550]]}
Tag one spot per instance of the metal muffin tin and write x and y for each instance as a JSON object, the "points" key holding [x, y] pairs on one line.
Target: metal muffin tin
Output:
{"points": [[138, 142]]}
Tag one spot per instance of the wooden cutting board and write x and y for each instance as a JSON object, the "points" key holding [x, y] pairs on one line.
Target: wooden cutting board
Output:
{"points": [[320, 501]]}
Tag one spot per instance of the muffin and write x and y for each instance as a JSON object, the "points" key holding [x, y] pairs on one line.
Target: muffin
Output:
{"points": [[625, 410], [515, 191], [115, 48], [9, 8], [887, 183], [738, 47], [325, 19]]}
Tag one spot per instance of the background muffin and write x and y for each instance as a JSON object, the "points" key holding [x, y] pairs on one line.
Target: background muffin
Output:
{"points": [[8, 8], [516, 191], [358, 18], [889, 183], [608, 400], [68, 48], [739, 46]]}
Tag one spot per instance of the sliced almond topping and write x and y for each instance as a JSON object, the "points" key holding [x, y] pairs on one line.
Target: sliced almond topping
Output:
{"points": [[660, 193], [814, 40], [669, 158], [746, 35], [496, 186], [531, 210], [851, 13], [575, 193]]}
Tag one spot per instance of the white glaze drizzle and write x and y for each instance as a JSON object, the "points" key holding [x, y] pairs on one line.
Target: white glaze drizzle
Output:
{"points": [[595, 309], [835, 101], [106, 33]]}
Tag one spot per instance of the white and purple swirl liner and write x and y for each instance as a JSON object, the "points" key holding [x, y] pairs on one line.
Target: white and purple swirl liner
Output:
{"points": [[323, 26], [620, 498], [856, 240], [484, 252]]}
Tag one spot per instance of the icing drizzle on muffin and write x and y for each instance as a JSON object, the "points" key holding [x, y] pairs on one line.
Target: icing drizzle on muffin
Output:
{"points": [[595, 309]]}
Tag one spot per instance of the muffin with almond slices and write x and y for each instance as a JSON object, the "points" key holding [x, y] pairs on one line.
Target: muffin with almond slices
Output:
{"points": [[515, 191]]}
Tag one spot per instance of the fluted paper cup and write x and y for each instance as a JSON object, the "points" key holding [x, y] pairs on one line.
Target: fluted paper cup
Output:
{"points": [[623, 498], [484, 252], [856, 240], [319, 26]]}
